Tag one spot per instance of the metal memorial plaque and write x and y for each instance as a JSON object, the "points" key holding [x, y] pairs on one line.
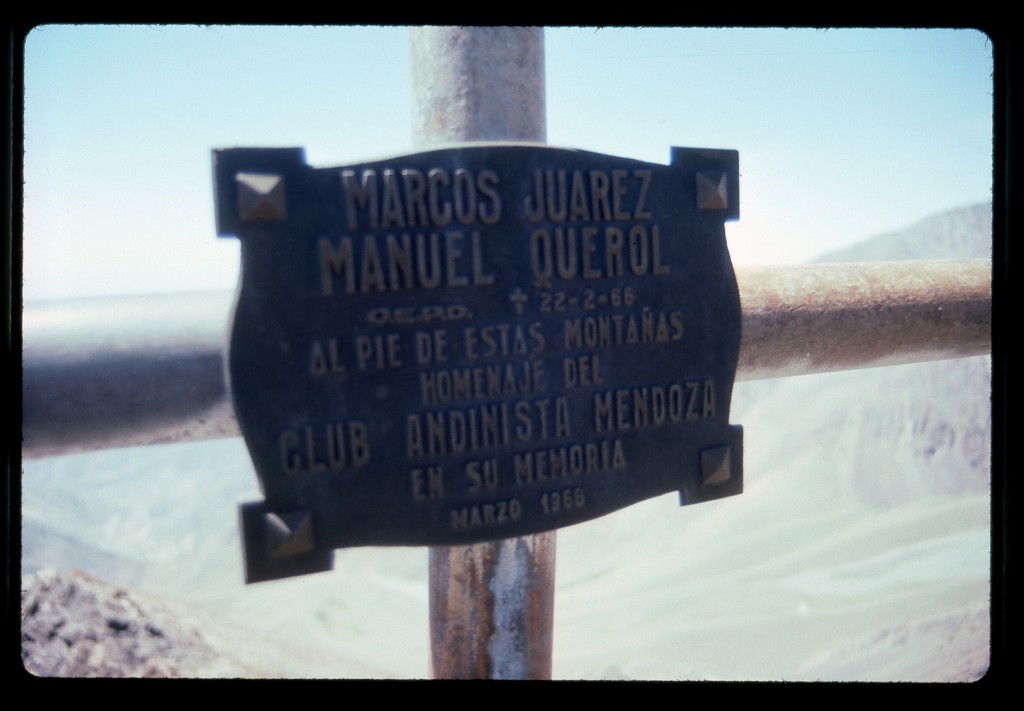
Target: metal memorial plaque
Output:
{"points": [[476, 343]]}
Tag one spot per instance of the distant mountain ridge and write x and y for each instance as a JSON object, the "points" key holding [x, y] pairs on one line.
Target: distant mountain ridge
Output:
{"points": [[964, 233], [937, 439]]}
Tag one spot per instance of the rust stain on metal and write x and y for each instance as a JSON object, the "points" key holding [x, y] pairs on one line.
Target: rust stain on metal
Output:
{"points": [[828, 317], [492, 609], [524, 608], [460, 611], [540, 605], [474, 84]]}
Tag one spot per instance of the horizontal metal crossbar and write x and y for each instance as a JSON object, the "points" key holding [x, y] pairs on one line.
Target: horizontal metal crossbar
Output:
{"points": [[105, 373]]}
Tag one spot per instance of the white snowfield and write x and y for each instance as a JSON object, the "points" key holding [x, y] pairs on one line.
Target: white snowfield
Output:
{"points": [[859, 550]]}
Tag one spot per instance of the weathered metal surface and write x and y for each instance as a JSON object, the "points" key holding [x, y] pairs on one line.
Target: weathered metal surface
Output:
{"points": [[96, 372], [473, 84], [477, 84], [827, 317], [477, 343], [104, 373], [491, 609]]}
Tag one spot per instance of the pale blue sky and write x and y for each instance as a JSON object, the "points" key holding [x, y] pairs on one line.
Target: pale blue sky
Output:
{"points": [[842, 133]]}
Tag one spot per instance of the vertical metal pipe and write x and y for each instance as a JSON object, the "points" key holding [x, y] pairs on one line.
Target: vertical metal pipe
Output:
{"points": [[491, 604], [477, 84]]}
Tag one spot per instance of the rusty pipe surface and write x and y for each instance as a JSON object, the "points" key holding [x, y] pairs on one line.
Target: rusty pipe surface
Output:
{"points": [[826, 317], [143, 370], [491, 604], [491, 609]]}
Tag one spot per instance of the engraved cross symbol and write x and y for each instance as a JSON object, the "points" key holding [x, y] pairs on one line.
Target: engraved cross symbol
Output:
{"points": [[518, 297]]}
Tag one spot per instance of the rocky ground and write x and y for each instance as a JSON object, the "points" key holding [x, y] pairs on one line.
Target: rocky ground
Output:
{"points": [[75, 625]]}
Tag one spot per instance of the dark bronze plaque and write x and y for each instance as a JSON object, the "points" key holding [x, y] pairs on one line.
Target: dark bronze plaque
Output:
{"points": [[476, 343]]}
